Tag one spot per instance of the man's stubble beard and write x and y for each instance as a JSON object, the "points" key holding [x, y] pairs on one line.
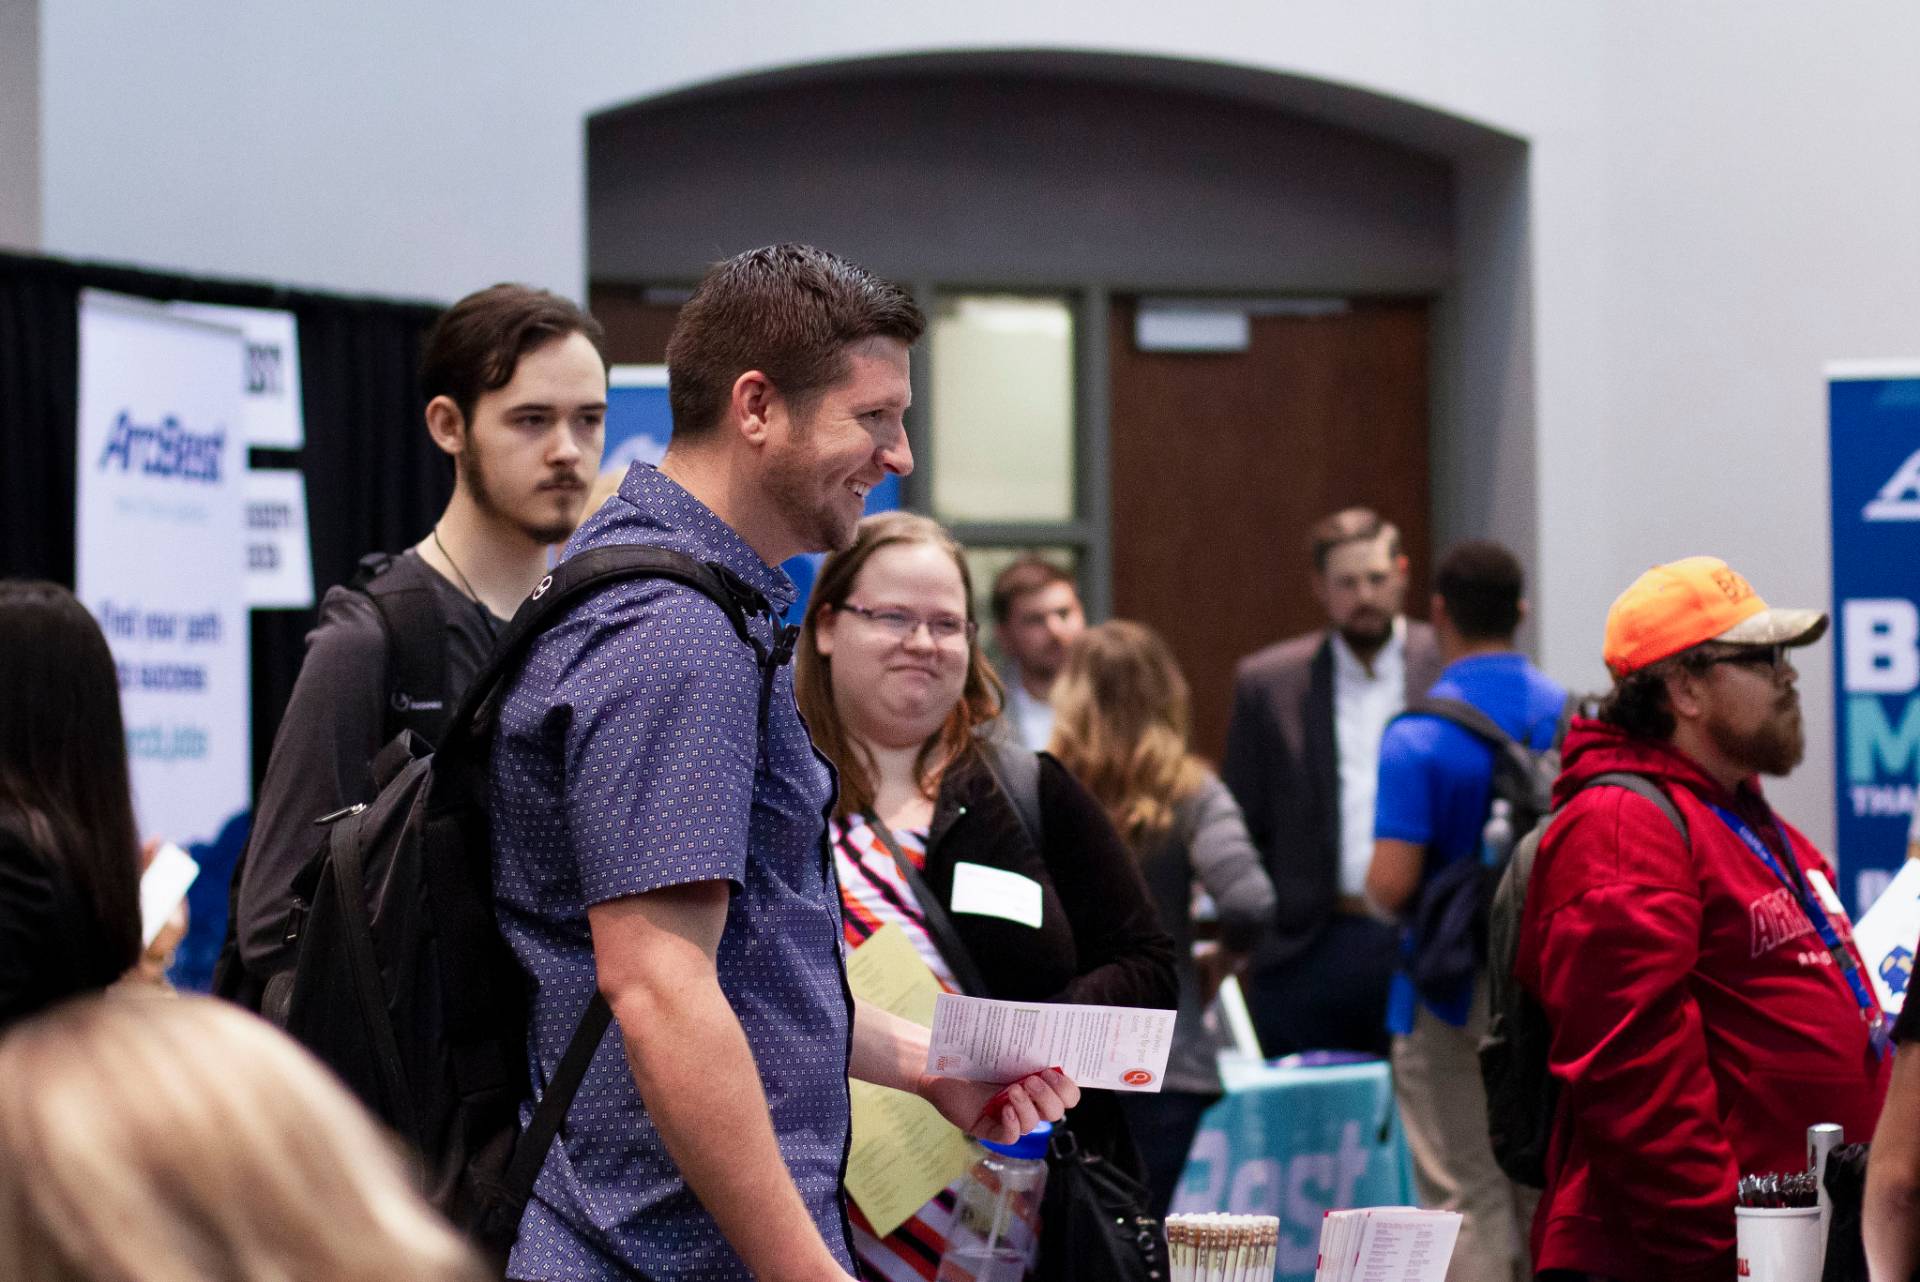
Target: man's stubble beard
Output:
{"points": [[1775, 748], [791, 488], [472, 466]]}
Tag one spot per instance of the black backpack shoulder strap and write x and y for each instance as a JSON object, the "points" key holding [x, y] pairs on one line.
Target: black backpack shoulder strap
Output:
{"points": [[571, 582], [416, 633], [1568, 711], [1517, 757], [1462, 714], [1016, 769], [1641, 786]]}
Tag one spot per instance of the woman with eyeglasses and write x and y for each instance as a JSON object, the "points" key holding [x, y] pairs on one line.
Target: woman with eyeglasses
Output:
{"points": [[929, 837]]}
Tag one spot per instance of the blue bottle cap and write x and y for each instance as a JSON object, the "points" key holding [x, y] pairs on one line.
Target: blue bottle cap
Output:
{"points": [[1032, 1145]]}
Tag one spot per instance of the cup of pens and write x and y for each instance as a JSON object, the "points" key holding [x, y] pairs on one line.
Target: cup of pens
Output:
{"points": [[1222, 1248], [1777, 1227]]}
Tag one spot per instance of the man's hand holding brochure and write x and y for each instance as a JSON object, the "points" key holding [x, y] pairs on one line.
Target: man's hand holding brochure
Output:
{"points": [[1119, 1048]]}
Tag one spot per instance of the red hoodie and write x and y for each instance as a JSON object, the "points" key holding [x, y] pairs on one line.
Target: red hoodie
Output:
{"points": [[1699, 1025]]}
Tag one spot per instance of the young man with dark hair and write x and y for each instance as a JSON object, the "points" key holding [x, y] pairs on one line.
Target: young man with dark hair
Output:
{"points": [[515, 387], [656, 846], [1704, 995], [1302, 760], [1036, 616], [1436, 790]]}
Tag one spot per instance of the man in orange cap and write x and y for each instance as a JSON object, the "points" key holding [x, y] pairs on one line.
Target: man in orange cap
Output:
{"points": [[1706, 1001]]}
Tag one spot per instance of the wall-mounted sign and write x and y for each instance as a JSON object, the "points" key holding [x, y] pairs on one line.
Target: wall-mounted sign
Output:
{"points": [[271, 383], [279, 558]]}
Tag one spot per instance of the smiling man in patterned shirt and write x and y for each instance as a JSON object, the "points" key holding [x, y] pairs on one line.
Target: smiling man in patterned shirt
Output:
{"points": [[649, 841]]}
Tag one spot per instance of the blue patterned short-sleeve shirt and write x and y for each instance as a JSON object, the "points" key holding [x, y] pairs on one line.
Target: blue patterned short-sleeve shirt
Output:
{"points": [[626, 761]]}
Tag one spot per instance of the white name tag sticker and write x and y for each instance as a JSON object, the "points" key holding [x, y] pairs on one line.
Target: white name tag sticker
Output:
{"points": [[162, 886], [1824, 889], [994, 892]]}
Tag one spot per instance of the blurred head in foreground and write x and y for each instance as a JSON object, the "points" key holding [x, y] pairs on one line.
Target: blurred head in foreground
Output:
{"points": [[153, 1139]]}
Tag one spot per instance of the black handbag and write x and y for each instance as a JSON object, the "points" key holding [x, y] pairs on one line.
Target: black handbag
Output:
{"points": [[1095, 1225]]}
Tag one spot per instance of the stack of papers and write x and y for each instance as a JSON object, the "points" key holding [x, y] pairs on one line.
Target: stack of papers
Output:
{"points": [[1386, 1244]]}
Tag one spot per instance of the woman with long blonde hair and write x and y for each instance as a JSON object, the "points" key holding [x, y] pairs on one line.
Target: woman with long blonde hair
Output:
{"points": [[1121, 710], [148, 1138], [896, 692]]}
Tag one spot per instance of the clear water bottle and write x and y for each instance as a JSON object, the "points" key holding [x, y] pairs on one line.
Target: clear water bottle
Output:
{"points": [[996, 1221], [1497, 836]]}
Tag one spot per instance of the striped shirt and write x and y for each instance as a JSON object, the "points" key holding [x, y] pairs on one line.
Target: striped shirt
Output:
{"points": [[874, 894]]}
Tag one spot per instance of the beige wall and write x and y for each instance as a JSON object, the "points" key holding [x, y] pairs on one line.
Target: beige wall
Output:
{"points": [[1720, 197]]}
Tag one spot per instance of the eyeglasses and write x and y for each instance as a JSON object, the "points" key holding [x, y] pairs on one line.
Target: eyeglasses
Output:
{"points": [[1771, 658], [944, 629]]}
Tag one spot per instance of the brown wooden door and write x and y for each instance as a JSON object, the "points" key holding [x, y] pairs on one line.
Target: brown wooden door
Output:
{"points": [[637, 329], [1221, 464]]}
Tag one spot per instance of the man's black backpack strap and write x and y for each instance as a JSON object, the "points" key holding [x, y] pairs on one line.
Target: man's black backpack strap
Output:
{"points": [[531, 1148], [1477, 723], [416, 634], [571, 582], [368, 990]]}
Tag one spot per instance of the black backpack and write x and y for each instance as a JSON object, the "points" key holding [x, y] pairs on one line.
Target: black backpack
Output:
{"points": [[403, 983], [1448, 924], [416, 690], [1521, 1093]]}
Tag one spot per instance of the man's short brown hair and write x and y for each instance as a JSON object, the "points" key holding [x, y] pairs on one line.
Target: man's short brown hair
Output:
{"points": [[1028, 574], [1350, 525], [476, 344], [789, 311]]}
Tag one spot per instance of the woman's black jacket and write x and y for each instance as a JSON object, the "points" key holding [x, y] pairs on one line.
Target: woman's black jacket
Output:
{"points": [[1099, 941]]}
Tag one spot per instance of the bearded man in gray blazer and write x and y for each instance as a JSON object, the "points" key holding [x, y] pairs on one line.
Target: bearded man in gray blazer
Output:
{"points": [[1302, 760]]}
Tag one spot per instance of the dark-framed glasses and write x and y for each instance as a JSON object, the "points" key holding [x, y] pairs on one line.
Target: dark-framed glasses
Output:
{"points": [[1766, 658], [945, 629]]}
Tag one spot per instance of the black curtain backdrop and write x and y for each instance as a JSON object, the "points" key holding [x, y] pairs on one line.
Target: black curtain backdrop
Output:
{"points": [[374, 479]]}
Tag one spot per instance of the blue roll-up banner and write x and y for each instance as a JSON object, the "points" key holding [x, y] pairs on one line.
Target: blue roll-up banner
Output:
{"points": [[639, 423], [161, 561], [1874, 432]]}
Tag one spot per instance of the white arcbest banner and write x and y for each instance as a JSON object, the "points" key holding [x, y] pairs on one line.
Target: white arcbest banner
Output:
{"points": [[161, 553]]}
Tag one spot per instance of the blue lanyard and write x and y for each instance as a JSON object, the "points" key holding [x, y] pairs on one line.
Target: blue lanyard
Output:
{"points": [[1816, 913]]}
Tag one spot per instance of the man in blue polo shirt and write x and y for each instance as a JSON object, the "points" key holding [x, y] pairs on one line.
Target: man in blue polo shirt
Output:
{"points": [[650, 842], [1435, 792]]}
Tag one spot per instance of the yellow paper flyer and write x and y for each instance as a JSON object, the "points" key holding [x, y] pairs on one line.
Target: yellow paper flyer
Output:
{"points": [[904, 1152]]}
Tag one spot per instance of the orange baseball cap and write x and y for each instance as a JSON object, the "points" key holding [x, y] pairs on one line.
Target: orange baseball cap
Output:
{"points": [[1677, 606]]}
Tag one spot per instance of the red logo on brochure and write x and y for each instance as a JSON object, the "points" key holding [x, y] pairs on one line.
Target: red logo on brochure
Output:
{"points": [[1136, 1077]]}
